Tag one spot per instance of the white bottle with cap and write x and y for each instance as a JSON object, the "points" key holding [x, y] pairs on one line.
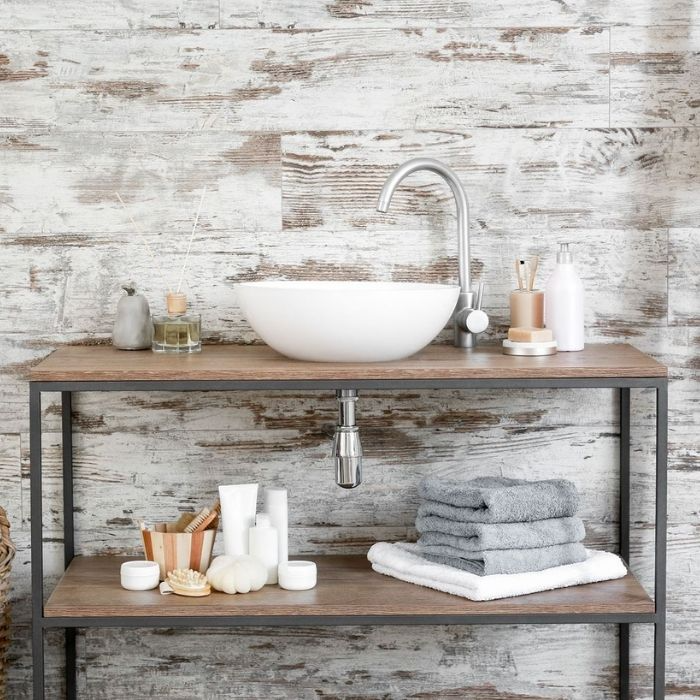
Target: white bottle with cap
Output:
{"points": [[563, 303], [276, 508], [263, 545]]}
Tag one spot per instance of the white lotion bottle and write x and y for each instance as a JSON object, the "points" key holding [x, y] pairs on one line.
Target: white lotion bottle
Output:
{"points": [[238, 505], [563, 303], [262, 544], [276, 507]]}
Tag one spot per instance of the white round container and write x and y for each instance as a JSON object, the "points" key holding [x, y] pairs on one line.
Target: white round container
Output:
{"points": [[140, 575], [297, 575]]}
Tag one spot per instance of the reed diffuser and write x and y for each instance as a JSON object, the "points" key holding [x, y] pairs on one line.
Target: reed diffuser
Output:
{"points": [[177, 331]]}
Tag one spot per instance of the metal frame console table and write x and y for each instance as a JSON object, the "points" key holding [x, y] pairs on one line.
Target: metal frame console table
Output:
{"points": [[233, 368]]}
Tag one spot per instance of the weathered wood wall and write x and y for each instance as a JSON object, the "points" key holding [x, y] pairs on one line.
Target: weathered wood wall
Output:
{"points": [[566, 120]]}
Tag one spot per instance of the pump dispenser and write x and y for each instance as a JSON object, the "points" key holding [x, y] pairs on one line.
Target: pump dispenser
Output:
{"points": [[563, 303]]}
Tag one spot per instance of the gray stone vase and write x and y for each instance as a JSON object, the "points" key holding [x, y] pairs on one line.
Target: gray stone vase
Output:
{"points": [[133, 328]]}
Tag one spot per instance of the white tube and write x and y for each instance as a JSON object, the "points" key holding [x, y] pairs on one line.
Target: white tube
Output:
{"points": [[238, 506], [276, 508]]}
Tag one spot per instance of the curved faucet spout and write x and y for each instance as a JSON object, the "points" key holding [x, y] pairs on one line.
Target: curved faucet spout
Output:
{"points": [[435, 166]]}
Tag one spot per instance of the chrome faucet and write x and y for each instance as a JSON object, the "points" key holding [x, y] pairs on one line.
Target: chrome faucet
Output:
{"points": [[469, 319]]}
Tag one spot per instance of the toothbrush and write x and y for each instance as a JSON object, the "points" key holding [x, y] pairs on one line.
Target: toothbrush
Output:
{"points": [[526, 275], [533, 271], [522, 276]]}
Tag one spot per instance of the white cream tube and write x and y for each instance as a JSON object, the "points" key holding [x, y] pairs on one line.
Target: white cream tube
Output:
{"points": [[238, 506], [276, 508]]}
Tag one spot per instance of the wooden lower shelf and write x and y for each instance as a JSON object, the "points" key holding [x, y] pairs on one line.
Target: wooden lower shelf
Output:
{"points": [[347, 589]]}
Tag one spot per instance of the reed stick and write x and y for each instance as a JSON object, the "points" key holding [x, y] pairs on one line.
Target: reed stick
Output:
{"points": [[189, 244], [137, 230]]}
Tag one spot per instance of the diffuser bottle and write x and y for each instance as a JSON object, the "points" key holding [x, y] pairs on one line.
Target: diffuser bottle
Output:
{"points": [[563, 304], [178, 331]]}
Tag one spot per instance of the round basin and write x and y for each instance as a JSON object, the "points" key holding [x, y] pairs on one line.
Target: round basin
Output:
{"points": [[347, 321]]}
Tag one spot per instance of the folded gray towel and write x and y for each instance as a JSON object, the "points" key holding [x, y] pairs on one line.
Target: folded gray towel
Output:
{"points": [[472, 537], [497, 499], [506, 561]]}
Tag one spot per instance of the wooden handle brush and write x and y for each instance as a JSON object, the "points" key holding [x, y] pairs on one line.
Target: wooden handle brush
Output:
{"points": [[204, 518]]}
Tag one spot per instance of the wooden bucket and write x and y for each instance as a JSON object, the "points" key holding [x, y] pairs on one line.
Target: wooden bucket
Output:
{"points": [[177, 550]]}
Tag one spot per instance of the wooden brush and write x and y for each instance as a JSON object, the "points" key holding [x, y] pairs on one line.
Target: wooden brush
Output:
{"points": [[182, 522], [204, 518], [188, 582]]}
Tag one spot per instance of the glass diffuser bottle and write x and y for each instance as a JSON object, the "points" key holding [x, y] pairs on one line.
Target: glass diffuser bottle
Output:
{"points": [[178, 331]]}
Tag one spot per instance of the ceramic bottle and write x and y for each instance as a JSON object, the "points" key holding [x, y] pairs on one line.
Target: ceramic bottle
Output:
{"points": [[563, 303]]}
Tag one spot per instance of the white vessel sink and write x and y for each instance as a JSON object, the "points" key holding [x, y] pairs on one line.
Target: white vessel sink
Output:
{"points": [[347, 321]]}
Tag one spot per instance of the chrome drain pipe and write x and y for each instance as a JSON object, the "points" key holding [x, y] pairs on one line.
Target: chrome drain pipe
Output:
{"points": [[347, 448]]}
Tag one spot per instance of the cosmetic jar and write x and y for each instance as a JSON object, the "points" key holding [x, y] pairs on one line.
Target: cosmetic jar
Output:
{"points": [[140, 575], [296, 575]]}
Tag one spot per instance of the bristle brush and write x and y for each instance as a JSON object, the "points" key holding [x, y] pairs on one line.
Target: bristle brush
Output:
{"points": [[204, 518]]}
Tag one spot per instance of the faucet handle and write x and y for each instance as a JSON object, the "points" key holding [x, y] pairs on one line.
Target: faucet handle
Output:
{"points": [[477, 321], [479, 296], [471, 318]]}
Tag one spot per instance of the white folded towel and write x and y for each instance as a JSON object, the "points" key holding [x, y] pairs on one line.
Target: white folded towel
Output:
{"points": [[402, 560]]}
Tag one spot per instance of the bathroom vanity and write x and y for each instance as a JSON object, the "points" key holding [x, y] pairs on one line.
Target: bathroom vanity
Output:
{"points": [[89, 594]]}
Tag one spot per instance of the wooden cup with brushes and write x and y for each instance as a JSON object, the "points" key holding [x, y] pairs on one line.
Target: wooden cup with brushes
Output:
{"points": [[527, 334], [186, 543]]}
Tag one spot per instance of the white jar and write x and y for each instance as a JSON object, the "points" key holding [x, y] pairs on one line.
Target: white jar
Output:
{"points": [[297, 575], [264, 545], [140, 575]]}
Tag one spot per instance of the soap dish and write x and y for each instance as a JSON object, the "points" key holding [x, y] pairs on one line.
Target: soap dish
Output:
{"points": [[529, 349]]}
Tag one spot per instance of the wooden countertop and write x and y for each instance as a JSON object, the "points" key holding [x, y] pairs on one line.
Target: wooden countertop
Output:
{"points": [[261, 363], [346, 587]]}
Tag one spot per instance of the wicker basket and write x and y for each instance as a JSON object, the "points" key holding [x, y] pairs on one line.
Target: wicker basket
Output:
{"points": [[7, 553]]}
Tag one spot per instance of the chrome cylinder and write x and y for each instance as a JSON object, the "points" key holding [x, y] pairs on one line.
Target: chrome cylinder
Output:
{"points": [[347, 448]]}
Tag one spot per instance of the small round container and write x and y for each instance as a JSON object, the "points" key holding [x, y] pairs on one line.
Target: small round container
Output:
{"points": [[511, 347], [297, 575], [140, 575]]}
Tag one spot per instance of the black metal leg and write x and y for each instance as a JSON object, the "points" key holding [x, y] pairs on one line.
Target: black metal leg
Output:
{"points": [[68, 531], [36, 541], [660, 557], [624, 629]]}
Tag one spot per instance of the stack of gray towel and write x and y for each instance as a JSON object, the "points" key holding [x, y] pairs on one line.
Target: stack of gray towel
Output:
{"points": [[495, 525]]}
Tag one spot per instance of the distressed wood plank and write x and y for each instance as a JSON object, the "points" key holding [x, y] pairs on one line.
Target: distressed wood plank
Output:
{"points": [[10, 479], [64, 184], [109, 14], [290, 80], [445, 13], [651, 76], [683, 277], [406, 13], [648, 14], [362, 662], [323, 517], [40, 288], [515, 179]]}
